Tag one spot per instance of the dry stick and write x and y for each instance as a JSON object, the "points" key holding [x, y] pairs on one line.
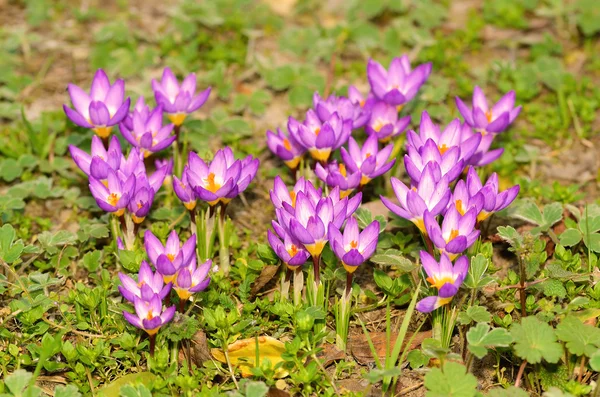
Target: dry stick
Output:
{"points": [[520, 373], [581, 369], [407, 390]]}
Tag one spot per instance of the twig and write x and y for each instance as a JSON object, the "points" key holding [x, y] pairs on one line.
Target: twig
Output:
{"points": [[581, 369], [408, 389], [527, 285], [520, 373]]}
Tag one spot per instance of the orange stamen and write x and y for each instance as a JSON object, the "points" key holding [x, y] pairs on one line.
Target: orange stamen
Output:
{"points": [[459, 207], [488, 116], [171, 257], [342, 168], [287, 145], [212, 186], [113, 199], [353, 244], [443, 148], [453, 234]]}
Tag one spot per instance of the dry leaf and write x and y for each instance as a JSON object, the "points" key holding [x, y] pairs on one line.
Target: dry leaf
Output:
{"points": [[359, 347], [266, 275], [330, 353], [242, 354], [199, 349]]}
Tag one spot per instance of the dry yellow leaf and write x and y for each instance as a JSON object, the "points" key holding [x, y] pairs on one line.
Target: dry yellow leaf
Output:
{"points": [[242, 354]]}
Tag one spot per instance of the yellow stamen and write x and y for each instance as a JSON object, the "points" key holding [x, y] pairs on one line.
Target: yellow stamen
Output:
{"points": [[112, 199], [293, 197], [353, 244], [453, 234], [368, 155], [488, 116], [362, 103], [150, 316], [342, 168], [443, 148], [171, 257], [439, 283], [459, 207], [317, 130], [287, 145], [293, 250], [421, 225], [212, 186]]}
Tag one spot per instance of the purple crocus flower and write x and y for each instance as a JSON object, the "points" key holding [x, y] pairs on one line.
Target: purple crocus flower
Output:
{"points": [[290, 251], [178, 101], [115, 195], [358, 99], [191, 279], [457, 232], [285, 147], [141, 201], [320, 139], [486, 120], [100, 160], [431, 195], [399, 84], [493, 201], [147, 131], [443, 276], [149, 315], [334, 174], [369, 160], [172, 256], [451, 137], [482, 155], [147, 285], [280, 193], [384, 122], [168, 165], [463, 201], [449, 163], [102, 108], [344, 107], [184, 191], [223, 178], [351, 247]]}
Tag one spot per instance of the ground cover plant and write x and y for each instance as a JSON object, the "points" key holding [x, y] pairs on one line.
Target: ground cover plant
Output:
{"points": [[272, 198]]}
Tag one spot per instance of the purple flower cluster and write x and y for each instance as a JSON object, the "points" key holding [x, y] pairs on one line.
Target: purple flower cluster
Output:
{"points": [[448, 218], [218, 181], [105, 106]]}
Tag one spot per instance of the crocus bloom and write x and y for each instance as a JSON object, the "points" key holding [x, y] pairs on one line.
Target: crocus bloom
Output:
{"points": [[223, 178], [102, 108], [443, 276], [172, 256], [482, 155], [486, 120], [344, 107], [351, 247], [320, 139], [168, 164], [369, 160], [98, 162], [115, 195], [452, 136], [184, 191], [493, 201], [457, 232], [334, 174], [280, 193], [191, 279], [178, 101], [285, 147], [449, 163], [399, 84], [149, 315], [147, 285], [431, 195], [141, 201], [290, 251], [358, 99], [384, 122], [463, 201], [147, 132]]}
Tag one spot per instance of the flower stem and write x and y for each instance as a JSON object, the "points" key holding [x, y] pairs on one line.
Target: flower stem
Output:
{"points": [[152, 344], [193, 227], [182, 305], [223, 241], [298, 285], [316, 270], [348, 283]]}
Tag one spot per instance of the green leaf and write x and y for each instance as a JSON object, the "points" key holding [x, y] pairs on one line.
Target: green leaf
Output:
{"points": [[595, 361], [66, 391], [256, 389], [535, 340], [570, 237], [135, 391], [280, 78], [476, 277], [394, 258], [417, 359], [510, 392], [592, 241], [452, 380], [17, 381], [481, 338], [266, 254], [477, 314], [10, 250], [554, 288], [113, 389], [10, 170], [92, 260], [580, 338]]}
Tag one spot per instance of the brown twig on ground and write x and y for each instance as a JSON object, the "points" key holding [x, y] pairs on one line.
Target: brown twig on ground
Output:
{"points": [[520, 373]]}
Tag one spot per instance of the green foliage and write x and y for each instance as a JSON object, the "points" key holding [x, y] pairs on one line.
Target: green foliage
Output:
{"points": [[535, 340], [580, 339], [451, 380], [481, 338]]}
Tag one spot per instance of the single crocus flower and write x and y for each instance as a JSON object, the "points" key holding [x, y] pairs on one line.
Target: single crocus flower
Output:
{"points": [[147, 285], [432, 194], [335, 174], [320, 139], [351, 247], [384, 122], [457, 232], [149, 315], [450, 164], [443, 276], [344, 107], [178, 101], [172, 256], [485, 120], [451, 137], [463, 201], [369, 160], [168, 165], [285, 147], [493, 201], [115, 194], [290, 251], [482, 155], [280, 193], [358, 99], [147, 132], [191, 279], [100, 160], [184, 191], [400, 83], [103, 108], [141, 201]]}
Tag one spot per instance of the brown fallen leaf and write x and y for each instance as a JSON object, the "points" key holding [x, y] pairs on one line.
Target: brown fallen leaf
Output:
{"points": [[266, 275], [199, 349], [330, 353], [275, 392], [359, 347]]}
